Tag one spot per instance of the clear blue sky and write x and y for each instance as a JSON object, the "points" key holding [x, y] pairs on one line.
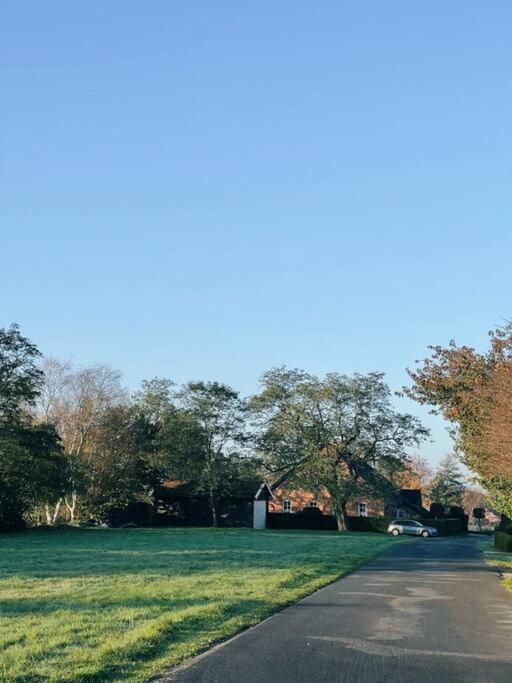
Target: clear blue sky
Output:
{"points": [[209, 189]]}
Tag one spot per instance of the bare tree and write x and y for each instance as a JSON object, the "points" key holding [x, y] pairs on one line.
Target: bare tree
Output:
{"points": [[75, 402]]}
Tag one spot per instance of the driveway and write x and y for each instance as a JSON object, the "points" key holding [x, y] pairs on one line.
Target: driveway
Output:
{"points": [[429, 610]]}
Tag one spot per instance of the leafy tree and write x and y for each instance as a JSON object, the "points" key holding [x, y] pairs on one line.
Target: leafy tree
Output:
{"points": [[202, 439], [340, 434], [154, 400], [32, 470], [20, 376], [120, 463], [473, 392], [31, 465], [417, 474], [448, 486]]}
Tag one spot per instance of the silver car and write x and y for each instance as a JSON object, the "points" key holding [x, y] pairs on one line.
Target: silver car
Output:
{"points": [[410, 526]]}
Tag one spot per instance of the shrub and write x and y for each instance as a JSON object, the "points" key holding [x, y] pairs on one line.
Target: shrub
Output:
{"points": [[457, 512], [311, 510], [447, 527], [437, 510], [503, 541], [505, 525]]}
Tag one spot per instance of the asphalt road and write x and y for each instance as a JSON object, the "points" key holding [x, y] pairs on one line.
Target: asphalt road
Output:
{"points": [[429, 610]]}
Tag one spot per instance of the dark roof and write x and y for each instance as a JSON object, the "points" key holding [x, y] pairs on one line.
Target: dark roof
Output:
{"points": [[410, 497], [264, 492], [411, 500], [280, 481]]}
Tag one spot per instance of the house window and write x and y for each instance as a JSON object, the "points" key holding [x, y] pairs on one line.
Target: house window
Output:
{"points": [[362, 509], [313, 504], [287, 505]]}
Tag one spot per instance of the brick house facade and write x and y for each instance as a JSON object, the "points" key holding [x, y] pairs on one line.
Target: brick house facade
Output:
{"points": [[291, 500]]}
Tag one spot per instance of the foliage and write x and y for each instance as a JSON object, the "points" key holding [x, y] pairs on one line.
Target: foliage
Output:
{"points": [[154, 400], [417, 474], [20, 377], [437, 510], [473, 391], [77, 402], [31, 466], [447, 486], [503, 541], [202, 440], [121, 467], [340, 433], [31, 470], [472, 498], [123, 605]]}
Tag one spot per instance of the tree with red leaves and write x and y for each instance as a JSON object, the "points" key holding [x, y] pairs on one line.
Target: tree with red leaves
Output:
{"points": [[473, 392]]}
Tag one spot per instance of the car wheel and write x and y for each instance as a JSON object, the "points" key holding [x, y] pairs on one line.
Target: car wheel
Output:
{"points": [[425, 534], [395, 532]]}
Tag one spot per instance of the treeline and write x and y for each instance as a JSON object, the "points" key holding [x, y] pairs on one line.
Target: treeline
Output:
{"points": [[473, 392], [75, 444]]}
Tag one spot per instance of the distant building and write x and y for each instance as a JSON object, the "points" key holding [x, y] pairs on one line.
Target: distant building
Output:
{"points": [[286, 499]]}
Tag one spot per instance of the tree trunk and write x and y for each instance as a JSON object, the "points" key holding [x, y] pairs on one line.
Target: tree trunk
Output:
{"points": [[56, 511], [47, 513], [215, 523], [71, 507], [340, 510]]}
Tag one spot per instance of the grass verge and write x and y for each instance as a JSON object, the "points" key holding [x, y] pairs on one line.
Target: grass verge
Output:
{"points": [[125, 604], [499, 559]]}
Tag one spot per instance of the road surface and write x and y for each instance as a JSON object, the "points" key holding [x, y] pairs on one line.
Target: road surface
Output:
{"points": [[430, 610]]}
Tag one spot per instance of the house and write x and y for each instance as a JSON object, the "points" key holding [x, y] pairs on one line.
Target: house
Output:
{"points": [[286, 499]]}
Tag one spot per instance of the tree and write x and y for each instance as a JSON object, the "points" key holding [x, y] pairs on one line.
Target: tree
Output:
{"points": [[340, 433], [417, 474], [32, 469], [495, 436], [31, 465], [473, 497], [473, 393], [20, 376], [75, 402], [154, 400], [447, 486], [121, 467], [203, 437]]}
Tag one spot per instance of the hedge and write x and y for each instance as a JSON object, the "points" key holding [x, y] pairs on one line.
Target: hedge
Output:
{"points": [[446, 527], [299, 520], [503, 541], [377, 524]]}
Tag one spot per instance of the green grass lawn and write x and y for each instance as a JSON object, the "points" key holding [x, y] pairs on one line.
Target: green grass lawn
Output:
{"points": [[121, 605], [498, 558]]}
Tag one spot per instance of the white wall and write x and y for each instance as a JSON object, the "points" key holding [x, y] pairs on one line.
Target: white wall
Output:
{"points": [[260, 514]]}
